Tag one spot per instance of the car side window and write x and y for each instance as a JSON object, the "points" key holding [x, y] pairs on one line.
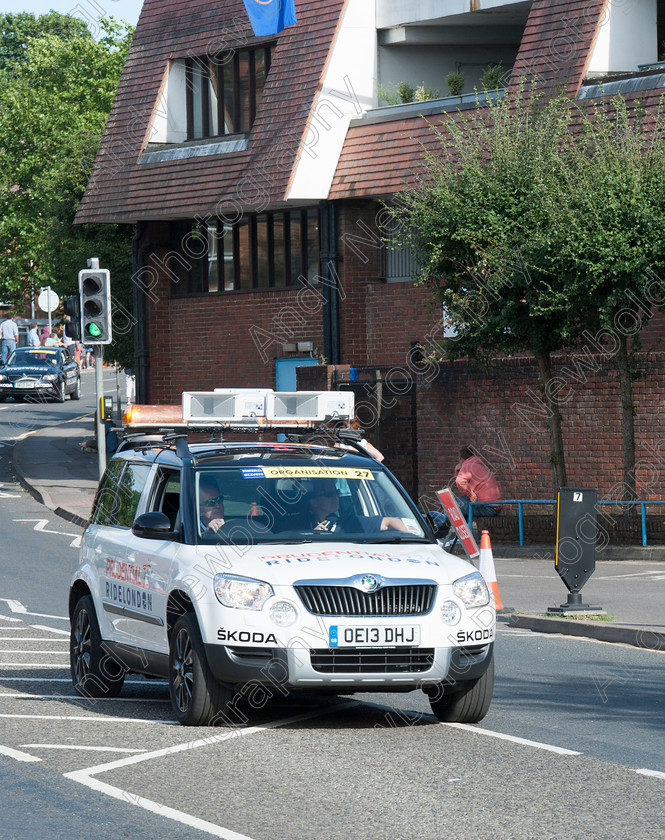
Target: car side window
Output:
{"points": [[103, 505], [167, 496], [129, 492]]}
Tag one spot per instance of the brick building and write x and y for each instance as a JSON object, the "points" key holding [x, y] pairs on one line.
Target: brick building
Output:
{"points": [[254, 170]]}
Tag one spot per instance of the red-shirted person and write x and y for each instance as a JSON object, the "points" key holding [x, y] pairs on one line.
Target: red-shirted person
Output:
{"points": [[475, 483]]}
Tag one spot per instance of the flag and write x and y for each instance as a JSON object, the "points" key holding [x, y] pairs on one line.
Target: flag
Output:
{"points": [[268, 17]]}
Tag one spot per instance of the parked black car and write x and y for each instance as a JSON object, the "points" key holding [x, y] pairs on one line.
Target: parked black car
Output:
{"points": [[40, 372]]}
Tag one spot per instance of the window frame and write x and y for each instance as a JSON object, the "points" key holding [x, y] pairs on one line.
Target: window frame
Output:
{"points": [[244, 272], [217, 66]]}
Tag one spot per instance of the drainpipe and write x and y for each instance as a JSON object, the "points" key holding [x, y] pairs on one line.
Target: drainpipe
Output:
{"points": [[328, 270], [141, 346]]}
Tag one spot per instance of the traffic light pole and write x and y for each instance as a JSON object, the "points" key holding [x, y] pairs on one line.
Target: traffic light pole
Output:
{"points": [[99, 390]]}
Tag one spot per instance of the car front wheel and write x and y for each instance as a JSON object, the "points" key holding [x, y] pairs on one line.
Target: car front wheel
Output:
{"points": [[76, 393], [95, 673], [469, 705], [197, 698], [60, 392]]}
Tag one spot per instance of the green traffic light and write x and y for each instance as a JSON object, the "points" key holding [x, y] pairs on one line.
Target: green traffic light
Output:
{"points": [[94, 330]]}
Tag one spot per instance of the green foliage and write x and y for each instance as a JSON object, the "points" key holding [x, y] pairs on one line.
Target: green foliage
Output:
{"points": [[55, 96], [424, 93], [399, 95], [17, 31], [455, 82], [493, 77]]}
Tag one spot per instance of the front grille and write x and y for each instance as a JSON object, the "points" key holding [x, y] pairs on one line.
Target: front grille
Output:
{"points": [[412, 599], [404, 660]]}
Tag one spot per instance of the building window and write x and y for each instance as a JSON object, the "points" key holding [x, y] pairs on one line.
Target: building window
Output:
{"points": [[264, 251], [224, 91]]}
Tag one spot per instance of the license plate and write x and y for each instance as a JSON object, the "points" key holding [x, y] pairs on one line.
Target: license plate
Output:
{"points": [[26, 383], [341, 636]]}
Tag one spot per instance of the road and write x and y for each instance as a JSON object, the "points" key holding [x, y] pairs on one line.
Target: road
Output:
{"points": [[573, 744]]}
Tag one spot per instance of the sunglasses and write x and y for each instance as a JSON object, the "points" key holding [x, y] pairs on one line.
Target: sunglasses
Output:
{"points": [[211, 502]]}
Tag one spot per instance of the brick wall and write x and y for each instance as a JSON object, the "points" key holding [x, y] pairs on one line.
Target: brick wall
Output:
{"points": [[214, 341], [498, 412]]}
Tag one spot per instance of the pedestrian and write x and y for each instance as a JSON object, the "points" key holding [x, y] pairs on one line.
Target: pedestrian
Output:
{"points": [[78, 349], [130, 386], [66, 339], [475, 483], [54, 341], [33, 336], [89, 357], [9, 335], [43, 335]]}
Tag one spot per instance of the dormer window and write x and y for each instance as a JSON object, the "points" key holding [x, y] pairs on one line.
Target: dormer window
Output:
{"points": [[224, 91]]}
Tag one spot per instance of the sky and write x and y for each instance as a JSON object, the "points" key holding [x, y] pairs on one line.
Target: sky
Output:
{"points": [[88, 10]]}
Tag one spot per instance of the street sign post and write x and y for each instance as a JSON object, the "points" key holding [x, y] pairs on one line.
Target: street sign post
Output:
{"points": [[458, 522], [48, 301]]}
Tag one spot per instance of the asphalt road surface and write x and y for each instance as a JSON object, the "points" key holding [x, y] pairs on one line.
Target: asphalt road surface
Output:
{"points": [[573, 745]]}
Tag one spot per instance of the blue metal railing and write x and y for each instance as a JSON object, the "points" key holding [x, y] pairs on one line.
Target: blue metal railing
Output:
{"points": [[521, 502]]}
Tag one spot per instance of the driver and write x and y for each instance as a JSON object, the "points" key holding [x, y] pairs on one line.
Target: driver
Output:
{"points": [[324, 515], [211, 507]]}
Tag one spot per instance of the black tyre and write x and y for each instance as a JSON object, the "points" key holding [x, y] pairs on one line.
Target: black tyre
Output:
{"points": [[76, 393], [196, 697], [60, 392], [95, 673], [469, 705]]}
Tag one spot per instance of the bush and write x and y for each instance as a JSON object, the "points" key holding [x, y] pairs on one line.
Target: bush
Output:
{"points": [[493, 77], [455, 82]]}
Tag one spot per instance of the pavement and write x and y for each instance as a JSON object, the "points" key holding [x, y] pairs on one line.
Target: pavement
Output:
{"points": [[629, 585]]}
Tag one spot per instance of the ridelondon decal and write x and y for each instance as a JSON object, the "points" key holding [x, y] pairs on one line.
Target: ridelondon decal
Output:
{"points": [[127, 596]]}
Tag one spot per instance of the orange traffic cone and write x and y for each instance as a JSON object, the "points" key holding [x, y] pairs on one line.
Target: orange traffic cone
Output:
{"points": [[486, 565]]}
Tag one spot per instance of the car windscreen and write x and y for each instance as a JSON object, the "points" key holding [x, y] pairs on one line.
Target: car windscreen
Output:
{"points": [[301, 503], [33, 358]]}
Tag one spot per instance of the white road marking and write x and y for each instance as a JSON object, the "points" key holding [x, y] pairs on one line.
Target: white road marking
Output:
{"points": [[17, 607], [656, 773], [41, 526], [40, 652], [513, 738], [93, 719], [3, 678], [29, 639], [29, 665], [24, 695], [4, 495], [9, 618], [84, 777], [51, 629], [79, 747], [17, 754]]}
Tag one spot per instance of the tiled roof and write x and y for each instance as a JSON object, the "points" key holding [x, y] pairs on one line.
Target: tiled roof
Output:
{"points": [[122, 190], [382, 158]]}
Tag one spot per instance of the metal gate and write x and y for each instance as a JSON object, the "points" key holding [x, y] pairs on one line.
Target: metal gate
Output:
{"points": [[386, 409]]}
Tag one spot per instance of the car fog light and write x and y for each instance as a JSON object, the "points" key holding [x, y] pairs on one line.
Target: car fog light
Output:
{"points": [[450, 612], [283, 614]]}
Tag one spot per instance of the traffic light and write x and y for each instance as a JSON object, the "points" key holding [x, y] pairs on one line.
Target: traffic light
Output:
{"points": [[95, 292], [72, 307]]}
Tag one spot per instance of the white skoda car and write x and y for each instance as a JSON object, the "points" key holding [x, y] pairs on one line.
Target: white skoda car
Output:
{"points": [[232, 567]]}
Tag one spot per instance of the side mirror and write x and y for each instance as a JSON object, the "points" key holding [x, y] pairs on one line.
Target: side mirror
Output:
{"points": [[154, 525]]}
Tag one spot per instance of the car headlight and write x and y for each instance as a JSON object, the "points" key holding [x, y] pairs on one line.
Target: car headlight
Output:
{"points": [[49, 377], [3, 378], [472, 590], [241, 593]]}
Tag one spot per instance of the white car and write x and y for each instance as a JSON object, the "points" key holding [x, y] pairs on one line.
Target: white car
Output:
{"points": [[237, 568]]}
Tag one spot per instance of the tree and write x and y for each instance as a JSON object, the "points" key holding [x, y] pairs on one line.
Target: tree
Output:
{"points": [[476, 224], [54, 101], [529, 224]]}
